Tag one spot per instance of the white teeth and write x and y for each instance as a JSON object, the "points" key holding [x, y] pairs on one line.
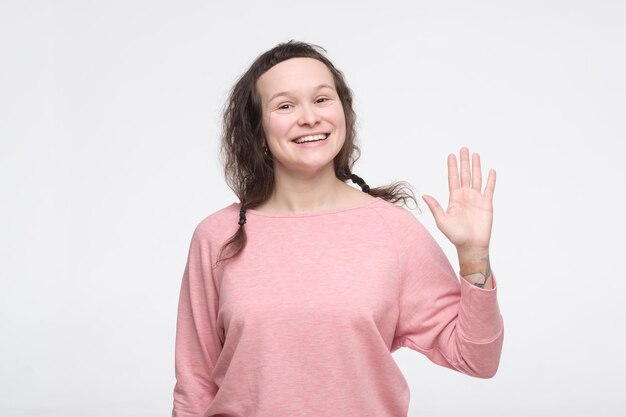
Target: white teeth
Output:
{"points": [[311, 138]]}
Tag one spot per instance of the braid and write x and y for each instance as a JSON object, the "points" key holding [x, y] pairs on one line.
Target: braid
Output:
{"points": [[358, 180], [242, 214]]}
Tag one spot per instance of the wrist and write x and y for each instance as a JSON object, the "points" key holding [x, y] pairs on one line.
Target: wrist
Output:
{"points": [[472, 254], [475, 267]]}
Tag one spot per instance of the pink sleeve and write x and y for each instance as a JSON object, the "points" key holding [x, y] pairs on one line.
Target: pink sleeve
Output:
{"points": [[454, 323], [197, 341]]}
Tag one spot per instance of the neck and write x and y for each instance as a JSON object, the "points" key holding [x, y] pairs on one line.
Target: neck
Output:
{"points": [[305, 192]]}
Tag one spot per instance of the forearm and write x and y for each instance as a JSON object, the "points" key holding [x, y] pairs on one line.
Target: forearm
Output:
{"points": [[475, 267]]}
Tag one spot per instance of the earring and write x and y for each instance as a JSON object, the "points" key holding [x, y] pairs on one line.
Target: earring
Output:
{"points": [[266, 151]]}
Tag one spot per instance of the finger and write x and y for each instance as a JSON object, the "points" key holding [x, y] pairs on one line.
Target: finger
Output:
{"points": [[491, 184], [465, 168], [477, 179], [434, 207], [453, 173]]}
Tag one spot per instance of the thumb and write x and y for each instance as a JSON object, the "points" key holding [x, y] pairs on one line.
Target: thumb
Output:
{"points": [[434, 207]]}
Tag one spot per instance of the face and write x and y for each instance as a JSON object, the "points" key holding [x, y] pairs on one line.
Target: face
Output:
{"points": [[300, 103]]}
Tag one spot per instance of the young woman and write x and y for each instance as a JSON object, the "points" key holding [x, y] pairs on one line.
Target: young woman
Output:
{"points": [[294, 297]]}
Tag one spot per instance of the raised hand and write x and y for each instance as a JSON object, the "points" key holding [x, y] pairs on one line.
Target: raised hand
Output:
{"points": [[467, 220]]}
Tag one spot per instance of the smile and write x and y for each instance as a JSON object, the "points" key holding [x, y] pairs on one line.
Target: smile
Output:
{"points": [[311, 138]]}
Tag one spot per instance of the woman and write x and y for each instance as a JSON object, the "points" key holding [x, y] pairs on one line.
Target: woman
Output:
{"points": [[295, 309]]}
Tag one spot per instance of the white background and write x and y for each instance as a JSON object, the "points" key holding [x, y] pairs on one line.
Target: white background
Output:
{"points": [[109, 126]]}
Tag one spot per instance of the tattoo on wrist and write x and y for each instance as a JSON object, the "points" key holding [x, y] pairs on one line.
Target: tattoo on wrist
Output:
{"points": [[486, 275]]}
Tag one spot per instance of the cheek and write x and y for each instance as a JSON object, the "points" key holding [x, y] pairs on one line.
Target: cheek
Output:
{"points": [[338, 118], [278, 126]]}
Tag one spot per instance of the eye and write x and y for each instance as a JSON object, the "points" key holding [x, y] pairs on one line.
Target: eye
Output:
{"points": [[283, 106], [322, 98]]}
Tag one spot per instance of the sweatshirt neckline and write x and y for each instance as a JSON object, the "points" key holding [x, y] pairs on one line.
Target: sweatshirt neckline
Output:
{"points": [[314, 213]]}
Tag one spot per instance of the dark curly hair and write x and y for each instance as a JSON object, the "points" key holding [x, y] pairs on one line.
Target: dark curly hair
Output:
{"points": [[249, 170]]}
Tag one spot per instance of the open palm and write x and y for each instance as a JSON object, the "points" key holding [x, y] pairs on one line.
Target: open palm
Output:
{"points": [[467, 220]]}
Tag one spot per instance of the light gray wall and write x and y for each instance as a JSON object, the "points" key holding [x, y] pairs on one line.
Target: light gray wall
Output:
{"points": [[109, 121]]}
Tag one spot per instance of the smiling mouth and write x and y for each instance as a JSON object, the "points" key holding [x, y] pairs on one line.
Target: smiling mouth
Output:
{"points": [[311, 138]]}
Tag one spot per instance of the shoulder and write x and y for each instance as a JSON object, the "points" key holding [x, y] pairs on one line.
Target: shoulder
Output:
{"points": [[397, 217], [414, 243], [220, 224], [404, 227]]}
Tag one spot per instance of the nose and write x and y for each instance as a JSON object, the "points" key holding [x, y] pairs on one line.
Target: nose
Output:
{"points": [[308, 115]]}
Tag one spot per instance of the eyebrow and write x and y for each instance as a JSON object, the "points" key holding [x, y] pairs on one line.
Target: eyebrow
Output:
{"points": [[286, 93]]}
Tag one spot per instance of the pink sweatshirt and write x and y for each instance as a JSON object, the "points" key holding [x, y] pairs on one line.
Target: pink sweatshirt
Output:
{"points": [[304, 321]]}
